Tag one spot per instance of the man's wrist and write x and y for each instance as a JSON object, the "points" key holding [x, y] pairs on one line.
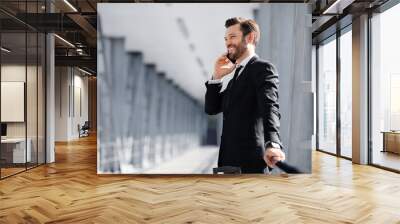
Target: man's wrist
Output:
{"points": [[273, 145], [214, 80], [215, 77]]}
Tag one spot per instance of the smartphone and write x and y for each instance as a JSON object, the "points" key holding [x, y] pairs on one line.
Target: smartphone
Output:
{"points": [[230, 59]]}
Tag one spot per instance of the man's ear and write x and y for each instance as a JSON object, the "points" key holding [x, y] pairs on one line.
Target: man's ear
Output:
{"points": [[250, 38]]}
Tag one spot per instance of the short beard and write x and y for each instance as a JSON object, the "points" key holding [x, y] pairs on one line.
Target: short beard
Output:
{"points": [[239, 50]]}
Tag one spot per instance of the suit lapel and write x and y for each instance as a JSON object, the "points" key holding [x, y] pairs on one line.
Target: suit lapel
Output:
{"points": [[233, 90], [252, 59]]}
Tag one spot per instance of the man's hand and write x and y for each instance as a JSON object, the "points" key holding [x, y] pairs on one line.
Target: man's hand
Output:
{"points": [[273, 155], [222, 67]]}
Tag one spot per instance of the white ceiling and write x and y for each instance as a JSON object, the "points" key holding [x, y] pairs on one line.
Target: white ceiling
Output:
{"points": [[154, 30]]}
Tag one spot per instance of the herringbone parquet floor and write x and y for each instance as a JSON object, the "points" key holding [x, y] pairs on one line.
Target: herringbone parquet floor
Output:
{"points": [[69, 191]]}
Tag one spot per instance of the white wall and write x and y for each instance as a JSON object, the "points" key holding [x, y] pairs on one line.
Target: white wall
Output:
{"points": [[70, 83], [34, 124], [10, 73], [80, 83], [17, 73], [61, 103]]}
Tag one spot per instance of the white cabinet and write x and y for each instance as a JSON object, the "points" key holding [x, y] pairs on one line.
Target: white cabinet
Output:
{"points": [[17, 146]]}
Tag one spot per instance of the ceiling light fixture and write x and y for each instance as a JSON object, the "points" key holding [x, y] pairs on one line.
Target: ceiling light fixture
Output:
{"points": [[337, 7], [65, 41], [84, 71], [326, 11], [70, 5], [5, 50]]}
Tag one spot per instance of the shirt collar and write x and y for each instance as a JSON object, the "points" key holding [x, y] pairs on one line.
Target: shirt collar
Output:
{"points": [[246, 60]]}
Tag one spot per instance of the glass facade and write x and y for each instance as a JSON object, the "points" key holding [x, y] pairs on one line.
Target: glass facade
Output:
{"points": [[385, 88], [22, 87], [346, 92], [327, 95], [334, 77]]}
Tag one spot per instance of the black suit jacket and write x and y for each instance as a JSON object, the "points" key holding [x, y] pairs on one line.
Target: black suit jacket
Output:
{"points": [[250, 115]]}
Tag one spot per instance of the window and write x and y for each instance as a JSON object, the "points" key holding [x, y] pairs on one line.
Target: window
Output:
{"points": [[346, 92], [22, 88], [385, 88], [327, 95]]}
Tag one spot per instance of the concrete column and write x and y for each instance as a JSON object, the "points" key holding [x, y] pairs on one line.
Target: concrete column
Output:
{"points": [[50, 92], [164, 117], [160, 118], [360, 90], [136, 111], [50, 97], [152, 85], [177, 121], [173, 124], [186, 132], [147, 94], [120, 108], [109, 145], [169, 130]]}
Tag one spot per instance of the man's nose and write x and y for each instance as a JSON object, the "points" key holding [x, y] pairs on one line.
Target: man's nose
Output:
{"points": [[227, 43]]}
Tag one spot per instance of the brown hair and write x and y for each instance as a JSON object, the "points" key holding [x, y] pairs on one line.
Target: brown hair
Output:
{"points": [[246, 26]]}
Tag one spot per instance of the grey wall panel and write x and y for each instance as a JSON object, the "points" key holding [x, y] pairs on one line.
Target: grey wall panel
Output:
{"points": [[287, 44]]}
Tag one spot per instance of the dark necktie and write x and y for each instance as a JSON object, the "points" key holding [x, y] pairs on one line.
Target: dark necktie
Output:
{"points": [[232, 83], [237, 72], [235, 76]]}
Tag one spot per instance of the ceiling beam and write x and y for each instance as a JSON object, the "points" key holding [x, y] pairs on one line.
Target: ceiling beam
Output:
{"points": [[81, 61]]}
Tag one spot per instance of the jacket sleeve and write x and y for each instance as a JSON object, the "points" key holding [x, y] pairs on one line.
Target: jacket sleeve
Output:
{"points": [[267, 87], [213, 99]]}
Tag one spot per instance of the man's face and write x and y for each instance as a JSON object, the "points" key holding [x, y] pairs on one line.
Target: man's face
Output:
{"points": [[235, 42]]}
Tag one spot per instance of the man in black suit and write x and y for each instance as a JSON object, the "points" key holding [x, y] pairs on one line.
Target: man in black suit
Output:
{"points": [[250, 136]]}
